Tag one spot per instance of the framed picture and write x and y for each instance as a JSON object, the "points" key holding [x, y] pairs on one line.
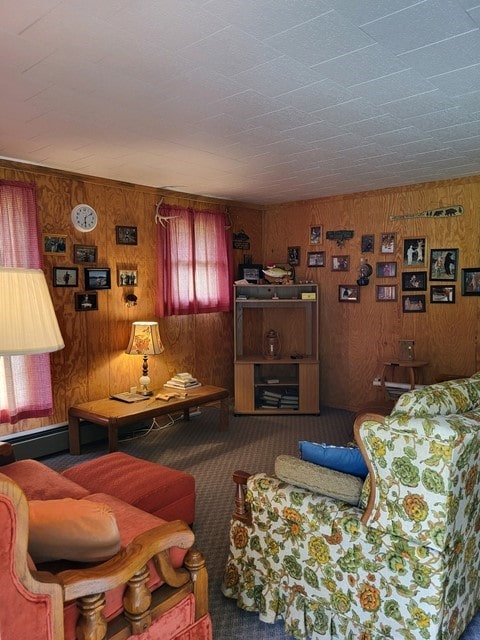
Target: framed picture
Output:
{"points": [[413, 303], [414, 281], [127, 277], [126, 235], [386, 269], [442, 293], [250, 272], [388, 242], [316, 259], [386, 293], [443, 264], [97, 278], [316, 234], [414, 252], [294, 256], [368, 243], [471, 282], [340, 263], [86, 302], [67, 277], [348, 293], [54, 243], [84, 253]]}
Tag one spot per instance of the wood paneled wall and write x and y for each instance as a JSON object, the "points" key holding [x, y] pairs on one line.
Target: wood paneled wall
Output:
{"points": [[355, 337], [93, 363]]}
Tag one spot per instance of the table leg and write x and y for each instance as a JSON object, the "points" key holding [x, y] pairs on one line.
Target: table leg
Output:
{"points": [[74, 435], [411, 377], [223, 415], [112, 438]]}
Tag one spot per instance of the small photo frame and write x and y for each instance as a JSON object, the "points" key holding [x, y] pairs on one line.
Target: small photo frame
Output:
{"points": [[442, 294], [368, 243], [340, 263], [415, 252], [84, 253], [126, 235], [53, 243], [97, 278], [252, 273], [388, 242], [414, 281], [386, 269], [348, 293], [316, 259], [65, 277], [471, 282], [293, 256], [86, 302], [443, 264], [386, 292], [127, 277], [316, 234], [413, 303]]}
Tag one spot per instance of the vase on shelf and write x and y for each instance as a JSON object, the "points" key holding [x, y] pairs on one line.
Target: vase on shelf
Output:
{"points": [[271, 345]]}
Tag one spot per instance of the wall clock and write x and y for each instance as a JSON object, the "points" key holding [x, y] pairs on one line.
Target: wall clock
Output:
{"points": [[84, 217]]}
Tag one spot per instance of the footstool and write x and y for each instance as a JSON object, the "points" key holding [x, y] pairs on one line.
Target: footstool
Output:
{"points": [[164, 492]]}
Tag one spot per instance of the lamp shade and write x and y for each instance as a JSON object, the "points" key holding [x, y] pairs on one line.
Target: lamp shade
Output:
{"points": [[28, 323], [145, 339]]}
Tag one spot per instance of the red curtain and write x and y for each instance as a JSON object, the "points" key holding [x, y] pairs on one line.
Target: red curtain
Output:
{"points": [[25, 384], [194, 262]]}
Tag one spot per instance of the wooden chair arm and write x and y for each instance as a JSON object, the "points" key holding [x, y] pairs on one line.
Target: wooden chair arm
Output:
{"points": [[128, 561], [242, 508], [6, 454]]}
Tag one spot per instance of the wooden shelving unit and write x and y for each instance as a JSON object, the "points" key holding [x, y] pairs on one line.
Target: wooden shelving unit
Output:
{"points": [[291, 383]]}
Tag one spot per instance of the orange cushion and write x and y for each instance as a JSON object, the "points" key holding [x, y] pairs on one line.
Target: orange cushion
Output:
{"points": [[69, 529]]}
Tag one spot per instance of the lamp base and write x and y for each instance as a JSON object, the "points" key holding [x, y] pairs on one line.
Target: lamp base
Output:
{"points": [[144, 382]]}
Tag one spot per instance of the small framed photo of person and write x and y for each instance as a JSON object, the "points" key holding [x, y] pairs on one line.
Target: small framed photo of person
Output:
{"points": [[443, 264], [414, 281], [414, 252], [65, 277]]}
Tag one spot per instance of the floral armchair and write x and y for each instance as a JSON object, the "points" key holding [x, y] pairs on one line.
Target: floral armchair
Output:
{"points": [[402, 563]]}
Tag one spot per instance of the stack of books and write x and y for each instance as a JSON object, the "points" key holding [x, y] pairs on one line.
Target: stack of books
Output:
{"points": [[284, 399], [183, 381]]}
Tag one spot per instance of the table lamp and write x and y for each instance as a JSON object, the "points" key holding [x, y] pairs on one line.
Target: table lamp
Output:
{"points": [[145, 340], [28, 324]]}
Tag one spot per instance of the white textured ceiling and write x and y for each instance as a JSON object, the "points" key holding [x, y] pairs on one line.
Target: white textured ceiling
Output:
{"points": [[261, 101]]}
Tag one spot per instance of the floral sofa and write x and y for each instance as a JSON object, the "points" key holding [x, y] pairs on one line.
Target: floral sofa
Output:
{"points": [[402, 563]]}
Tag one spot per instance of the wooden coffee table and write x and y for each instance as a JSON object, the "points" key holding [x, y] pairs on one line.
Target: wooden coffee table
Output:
{"points": [[113, 414]]}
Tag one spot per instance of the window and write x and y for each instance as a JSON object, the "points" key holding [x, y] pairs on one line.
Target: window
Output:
{"points": [[25, 386], [194, 262]]}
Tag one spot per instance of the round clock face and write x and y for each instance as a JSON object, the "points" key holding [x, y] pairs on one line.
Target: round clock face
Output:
{"points": [[84, 217]]}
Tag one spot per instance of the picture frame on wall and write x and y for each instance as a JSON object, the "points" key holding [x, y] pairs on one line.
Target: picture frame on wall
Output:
{"points": [[471, 282], [316, 259], [443, 264], [442, 294], [65, 277], [386, 269], [54, 243], [348, 293], [126, 235], [97, 278], [316, 234], [127, 277], [415, 252], [86, 301], [368, 243], [414, 281], [340, 263], [293, 256], [386, 292], [388, 242], [84, 253], [414, 303]]}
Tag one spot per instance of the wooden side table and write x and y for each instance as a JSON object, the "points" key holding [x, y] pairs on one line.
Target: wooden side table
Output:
{"points": [[409, 366]]}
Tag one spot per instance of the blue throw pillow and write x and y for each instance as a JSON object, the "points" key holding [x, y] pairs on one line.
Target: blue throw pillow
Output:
{"points": [[345, 459]]}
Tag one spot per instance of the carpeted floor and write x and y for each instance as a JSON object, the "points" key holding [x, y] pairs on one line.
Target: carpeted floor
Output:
{"points": [[252, 444]]}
